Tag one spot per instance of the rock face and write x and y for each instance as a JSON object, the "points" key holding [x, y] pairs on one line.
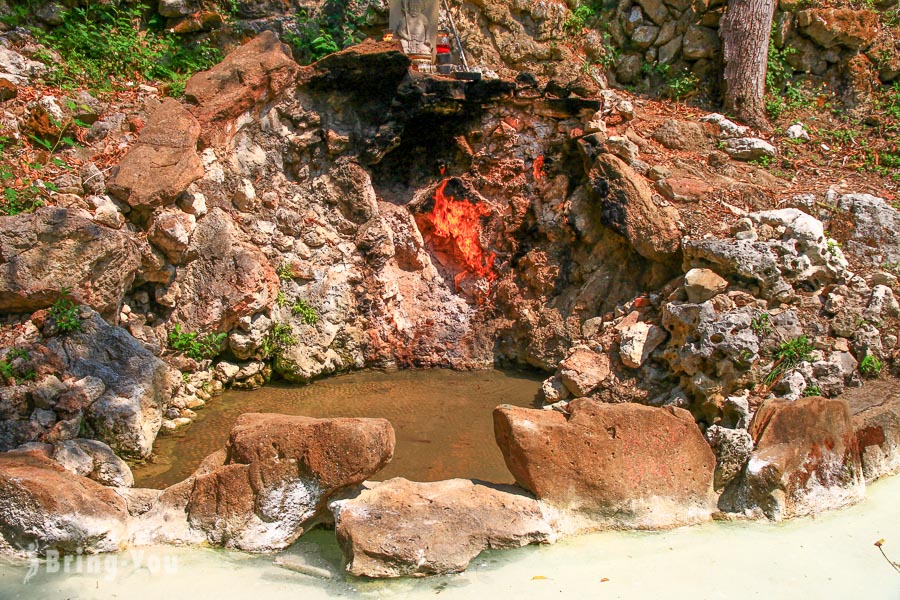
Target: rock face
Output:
{"points": [[273, 478], [56, 247], [806, 459], [401, 527], [43, 505], [627, 465], [226, 276], [163, 163], [251, 75], [136, 384]]}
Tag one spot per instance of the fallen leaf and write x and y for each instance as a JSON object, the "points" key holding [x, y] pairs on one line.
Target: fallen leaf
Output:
{"points": [[879, 543], [537, 577], [604, 580]]}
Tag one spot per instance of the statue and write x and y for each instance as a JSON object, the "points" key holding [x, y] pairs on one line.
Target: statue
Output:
{"points": [[412, 24]]}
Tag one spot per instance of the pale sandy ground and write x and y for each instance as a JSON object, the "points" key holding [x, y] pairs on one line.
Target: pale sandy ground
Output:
{"points": [[832, 556]]}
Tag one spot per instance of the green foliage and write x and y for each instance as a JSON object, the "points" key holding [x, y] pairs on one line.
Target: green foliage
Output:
{"points": [[107, 45], [308, 314], [65, 312], [316, 33], [870, 366], [196, 346], [778, 70], [812, 390], [832, 247], [680, 85], [280, 299], [761, 324], [584, 15], [284, 271], [788, 355], [280, 337], [763, 161], [8, 370]]}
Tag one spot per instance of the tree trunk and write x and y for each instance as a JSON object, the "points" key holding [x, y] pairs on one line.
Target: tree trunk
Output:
{"points": [[745, 30]]}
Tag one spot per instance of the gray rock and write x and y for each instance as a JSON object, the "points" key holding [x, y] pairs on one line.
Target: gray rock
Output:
{"points": [[93, 459], [876, 224], [637, 341], [732, 448], [47, 391], [128, 414], [727, 127], [748, 148], [703, 284], [700, 42]]}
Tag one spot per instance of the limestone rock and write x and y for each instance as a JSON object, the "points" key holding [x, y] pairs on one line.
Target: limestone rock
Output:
{"points": [[700, 42], [628, 208], [138, 385], [727, 128], [638, 341], [876, 422], [274, 477], [55, 247], [225, 276], [703, 284], [583, 370], [627, 465], [400, 527], [732, 448], [163, 162], [829, 27], [875, 226], [806, 458], [171, 232], [95, 460], [748, 148], [251, 75], [681, 135], [43, 504]]}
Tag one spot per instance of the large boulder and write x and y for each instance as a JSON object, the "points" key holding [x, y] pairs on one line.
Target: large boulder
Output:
{"points": [[226, 277], [401, 527], [52, 248], [251, 75], [138, 385], [163, 162], [273, 479], [876, 421], [44, 507], [806, 459], [627, 465], [628, 208], [94, 460], [847, 27]]}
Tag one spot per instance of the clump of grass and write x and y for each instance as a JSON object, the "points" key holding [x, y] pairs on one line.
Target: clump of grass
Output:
{"points": [[870, 366], [65, 312], [307, 313], [788, 355], [194, 345]]}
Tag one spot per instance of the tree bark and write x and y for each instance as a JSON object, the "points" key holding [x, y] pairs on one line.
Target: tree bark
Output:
{"points": [[745, 30]]}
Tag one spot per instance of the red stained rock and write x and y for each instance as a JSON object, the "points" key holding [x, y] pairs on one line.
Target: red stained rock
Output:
{"points": [[163, 163], [627, 465], [806, 457], [251, 75], [43, 504]]}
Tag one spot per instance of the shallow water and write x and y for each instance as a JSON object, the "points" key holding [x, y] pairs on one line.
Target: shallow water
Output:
{"points": [[442, 420], [829, 557]]}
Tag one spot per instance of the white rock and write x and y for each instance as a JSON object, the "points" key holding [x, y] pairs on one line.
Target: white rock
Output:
{"points": [[797, 132], [748, 148], [727, 128], [638, 341]]}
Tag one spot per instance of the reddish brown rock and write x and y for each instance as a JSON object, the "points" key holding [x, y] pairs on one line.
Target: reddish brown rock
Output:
{"points": [[401, 527], [583, 370], [53, 248], [163, 162], [251, 75], [8, 90], [44, 505], [806, 457], [628, 208], [627, 465], [876, 421], [829, 27], [277, 475]]}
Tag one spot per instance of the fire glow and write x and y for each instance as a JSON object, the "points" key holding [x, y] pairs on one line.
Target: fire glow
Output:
{"points": [[460, 222]]}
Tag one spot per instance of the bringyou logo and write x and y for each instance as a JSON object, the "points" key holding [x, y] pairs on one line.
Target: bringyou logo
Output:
{"points": [[107, 565]]}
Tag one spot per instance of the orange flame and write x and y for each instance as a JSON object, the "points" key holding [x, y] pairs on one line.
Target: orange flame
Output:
{"points": [[460, 222], [537, 167]]}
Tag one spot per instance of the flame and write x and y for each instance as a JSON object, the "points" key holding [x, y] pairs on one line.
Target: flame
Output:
{"points": [[537, 167], [460, 222]]}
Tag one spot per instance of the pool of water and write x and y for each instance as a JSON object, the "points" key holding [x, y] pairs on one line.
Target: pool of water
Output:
{"points": [[442, 421], [830, 557]]}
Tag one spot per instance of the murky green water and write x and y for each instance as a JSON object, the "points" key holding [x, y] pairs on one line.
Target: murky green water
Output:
{"points": [[442, 420]]}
